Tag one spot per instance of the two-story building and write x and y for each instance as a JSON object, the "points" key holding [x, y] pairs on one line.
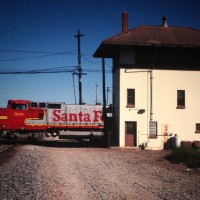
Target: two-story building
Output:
{"points": [[156, 84]]}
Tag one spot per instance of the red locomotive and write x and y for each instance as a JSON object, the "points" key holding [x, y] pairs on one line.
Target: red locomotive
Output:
{"points": [[23, 117]]}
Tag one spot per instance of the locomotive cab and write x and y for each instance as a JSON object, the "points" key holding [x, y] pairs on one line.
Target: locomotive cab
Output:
{"points": [[18, 105], [19, 117], [23, 109]]}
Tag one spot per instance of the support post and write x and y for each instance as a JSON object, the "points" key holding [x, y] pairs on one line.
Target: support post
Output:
{"points": [[79, 35], [107, 139]]}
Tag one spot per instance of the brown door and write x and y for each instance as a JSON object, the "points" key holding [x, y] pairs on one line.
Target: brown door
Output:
{"points": [[130, 134]]}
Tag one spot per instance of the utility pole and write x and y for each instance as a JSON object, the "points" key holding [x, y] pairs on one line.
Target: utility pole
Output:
{"points": [[108, 90], [74, 87], [79, 35], [97, 93]]}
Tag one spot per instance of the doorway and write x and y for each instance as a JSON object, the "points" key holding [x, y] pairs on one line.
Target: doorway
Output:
{"points": [[130, 134]]}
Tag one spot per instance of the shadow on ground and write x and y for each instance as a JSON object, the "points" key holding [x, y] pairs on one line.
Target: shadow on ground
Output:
{"points": [[64, 143]]}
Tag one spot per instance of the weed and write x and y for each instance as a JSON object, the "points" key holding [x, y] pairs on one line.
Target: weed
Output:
{"points": [[189, 156]]}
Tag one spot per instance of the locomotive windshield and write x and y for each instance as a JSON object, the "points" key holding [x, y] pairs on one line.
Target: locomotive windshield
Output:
{"points": [[19, 106]]}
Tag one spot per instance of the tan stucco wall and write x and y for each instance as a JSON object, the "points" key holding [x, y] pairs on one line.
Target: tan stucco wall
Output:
{"points": [[180, 121], [140, 82], [165, 86]]}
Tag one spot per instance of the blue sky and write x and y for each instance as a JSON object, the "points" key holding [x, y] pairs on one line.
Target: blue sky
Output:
{"points": [[39, 34]]}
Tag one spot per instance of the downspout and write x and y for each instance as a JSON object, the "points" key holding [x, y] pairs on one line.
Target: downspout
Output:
{"points": [[151, 81], [151, 95]]}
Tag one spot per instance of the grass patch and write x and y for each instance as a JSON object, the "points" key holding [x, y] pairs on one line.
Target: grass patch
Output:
{"points": [[189, 156]]}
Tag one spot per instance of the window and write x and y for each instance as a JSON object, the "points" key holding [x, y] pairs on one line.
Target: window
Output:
{"points": [[130, 98], [42, 105], [33, 105], [180, 99], [197, 128], [19, 106], [54, 106], [130, 128]]}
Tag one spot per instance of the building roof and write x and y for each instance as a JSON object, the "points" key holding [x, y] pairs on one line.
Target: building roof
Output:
{"points": [[166, 36]]}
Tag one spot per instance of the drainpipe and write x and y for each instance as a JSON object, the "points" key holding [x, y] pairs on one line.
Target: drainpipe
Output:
{"points": [[151, 95], [151, 81]]}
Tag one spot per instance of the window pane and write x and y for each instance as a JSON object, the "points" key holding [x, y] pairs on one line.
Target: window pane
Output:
{"points": [[19, 106], [181, 98], [42, 105], [197, 128], [54, 106], [130, 128], [131, 97], [33, 104]]}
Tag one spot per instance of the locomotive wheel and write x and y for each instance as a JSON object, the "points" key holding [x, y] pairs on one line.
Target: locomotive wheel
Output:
{"points": [[37, 135], [40, 135], [10, 136]]}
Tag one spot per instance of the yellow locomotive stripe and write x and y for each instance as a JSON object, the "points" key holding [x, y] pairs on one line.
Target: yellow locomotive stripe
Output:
{"points": [[74, 125], [34, 124], [3, 117]]}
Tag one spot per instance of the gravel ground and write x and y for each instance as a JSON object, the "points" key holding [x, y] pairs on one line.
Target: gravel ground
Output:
{"points": [[61, 171]]}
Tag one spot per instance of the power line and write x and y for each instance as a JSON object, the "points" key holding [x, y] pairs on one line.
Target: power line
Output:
{"points": [[64, 69], [37, 72], [49, 54], [37, 52], [43, 71], [34, 57], [90, 60], [96, 70], [26, 58]]}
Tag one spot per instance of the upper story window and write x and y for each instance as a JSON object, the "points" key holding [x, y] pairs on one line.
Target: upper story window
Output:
{"points": [[130, 98], [180, 99], [197, 128]]}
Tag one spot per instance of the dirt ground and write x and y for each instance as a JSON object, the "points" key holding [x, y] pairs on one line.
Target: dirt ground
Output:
{"points": [[64, 171]]}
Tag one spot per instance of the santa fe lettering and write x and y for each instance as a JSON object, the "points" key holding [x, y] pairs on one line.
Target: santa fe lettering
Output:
{"points": [[73, 117]]}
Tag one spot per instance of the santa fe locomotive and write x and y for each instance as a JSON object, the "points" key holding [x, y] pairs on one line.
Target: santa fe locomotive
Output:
{"points": [[36, 120]]}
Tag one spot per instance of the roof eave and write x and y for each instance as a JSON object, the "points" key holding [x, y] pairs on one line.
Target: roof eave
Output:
{"points": [[109, 49]]}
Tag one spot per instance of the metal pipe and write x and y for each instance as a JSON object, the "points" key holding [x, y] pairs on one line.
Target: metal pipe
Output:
{"points": [[151, 95]]}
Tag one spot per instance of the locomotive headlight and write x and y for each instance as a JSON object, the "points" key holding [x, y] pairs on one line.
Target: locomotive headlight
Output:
{"points": [[4, 126]]}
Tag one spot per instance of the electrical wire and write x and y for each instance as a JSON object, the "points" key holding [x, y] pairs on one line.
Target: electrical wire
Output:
{"points": [[45, 70], [55, 70], [33, 57], [90, 60], [39, 52], [49, 54], [96, 70]]}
